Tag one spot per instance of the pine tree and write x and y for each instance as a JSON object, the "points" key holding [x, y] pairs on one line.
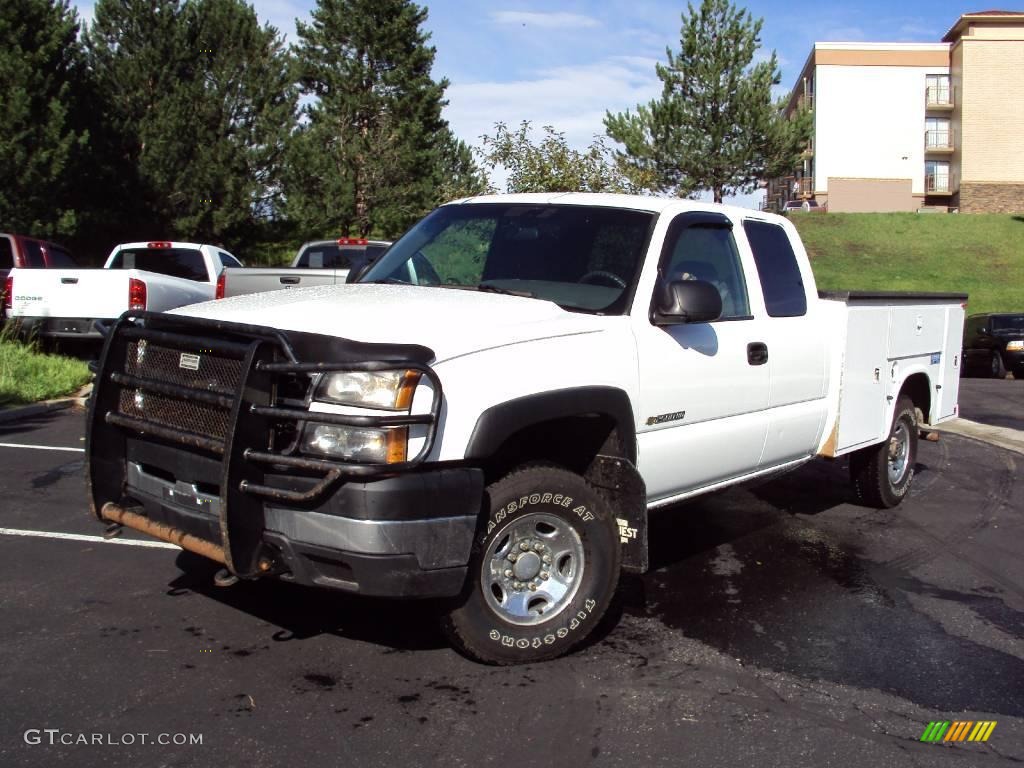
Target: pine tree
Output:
{"points": [[198, 99], [41, 137], [715, 126], [369, 156]]}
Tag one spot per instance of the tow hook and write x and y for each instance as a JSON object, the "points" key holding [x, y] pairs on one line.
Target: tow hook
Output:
{"points": [[224, 578]]}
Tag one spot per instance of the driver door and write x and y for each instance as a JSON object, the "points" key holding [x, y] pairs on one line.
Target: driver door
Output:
{"points": [[704, 389]]}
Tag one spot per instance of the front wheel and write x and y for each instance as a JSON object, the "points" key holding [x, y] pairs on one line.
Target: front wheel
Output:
{"points": [[882, 473], [543, 571]]}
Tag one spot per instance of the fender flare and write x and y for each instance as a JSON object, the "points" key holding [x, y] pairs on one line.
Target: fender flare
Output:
{"points": [[499, 422]]}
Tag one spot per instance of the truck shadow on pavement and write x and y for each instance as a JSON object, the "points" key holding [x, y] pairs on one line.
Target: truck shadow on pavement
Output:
{"points": [[301, 613]]}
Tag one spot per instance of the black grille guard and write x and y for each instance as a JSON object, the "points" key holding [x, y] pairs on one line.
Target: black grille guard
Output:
{"points": [[247, 452]]}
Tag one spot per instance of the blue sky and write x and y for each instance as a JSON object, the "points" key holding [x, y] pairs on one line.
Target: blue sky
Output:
{"points": [[564, 62]]}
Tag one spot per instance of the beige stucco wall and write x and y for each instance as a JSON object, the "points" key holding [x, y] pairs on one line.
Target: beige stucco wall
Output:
{"points": [[870, 195], [991, 110], [990, 30]]}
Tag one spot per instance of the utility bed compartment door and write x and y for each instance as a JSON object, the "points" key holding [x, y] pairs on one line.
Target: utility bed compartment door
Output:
{"points": [[915, 331], [862, 408]]}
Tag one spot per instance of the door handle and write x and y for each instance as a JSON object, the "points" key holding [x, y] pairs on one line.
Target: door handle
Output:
{"points": [[757, 353], [69, 280], [289, 280]]}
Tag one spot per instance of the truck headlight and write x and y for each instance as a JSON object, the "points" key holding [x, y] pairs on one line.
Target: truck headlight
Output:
{"points": [[375, 446], [390, 390]]}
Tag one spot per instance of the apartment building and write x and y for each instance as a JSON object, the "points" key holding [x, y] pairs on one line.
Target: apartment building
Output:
{"points": [[906, 126]]}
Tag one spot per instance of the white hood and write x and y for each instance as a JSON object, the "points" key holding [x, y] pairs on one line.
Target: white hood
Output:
{"points": [[451, 322]]}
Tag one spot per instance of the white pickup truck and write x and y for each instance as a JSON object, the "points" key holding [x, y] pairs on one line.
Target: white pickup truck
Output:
{"points": [[154, 276], [318, 262], [489, 413]]}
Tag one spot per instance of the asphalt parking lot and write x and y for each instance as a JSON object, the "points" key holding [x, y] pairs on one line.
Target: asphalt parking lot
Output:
{"points": [[780, 625], [998, 402]]}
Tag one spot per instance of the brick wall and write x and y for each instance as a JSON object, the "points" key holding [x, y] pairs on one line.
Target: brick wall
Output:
{"points": [[991, 198]]}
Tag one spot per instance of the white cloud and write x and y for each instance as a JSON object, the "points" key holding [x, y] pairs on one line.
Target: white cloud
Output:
{"points": [[573, 99], [559, 20]]}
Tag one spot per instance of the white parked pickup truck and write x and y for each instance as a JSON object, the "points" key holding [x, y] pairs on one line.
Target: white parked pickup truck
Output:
{"points": [[154, 276], [489, 414], [319, 262]]}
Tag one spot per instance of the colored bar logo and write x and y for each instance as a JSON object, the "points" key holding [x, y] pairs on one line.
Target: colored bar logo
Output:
{"points": [[958, 730]]}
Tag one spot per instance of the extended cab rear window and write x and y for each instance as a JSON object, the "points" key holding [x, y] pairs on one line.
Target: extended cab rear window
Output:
{"points": [[324, 256], [777, 269], [173, 262]]}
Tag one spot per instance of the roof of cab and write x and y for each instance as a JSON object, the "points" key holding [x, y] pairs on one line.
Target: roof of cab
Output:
{"points": [[611, 200]]}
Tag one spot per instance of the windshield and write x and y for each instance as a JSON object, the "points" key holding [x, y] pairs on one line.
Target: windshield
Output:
{"points": [[580, 257], [1008, 322]]}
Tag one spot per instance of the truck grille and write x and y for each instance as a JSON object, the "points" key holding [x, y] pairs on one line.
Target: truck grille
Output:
{"points": [[200, 371]]}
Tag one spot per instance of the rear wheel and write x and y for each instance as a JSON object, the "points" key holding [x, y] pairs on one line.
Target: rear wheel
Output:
{"points": [[543, 571], [882, 473], [996, 368]]}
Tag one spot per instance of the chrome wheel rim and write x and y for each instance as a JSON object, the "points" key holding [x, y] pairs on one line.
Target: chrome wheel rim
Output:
{"points": [[899, 453], [532, 569]]}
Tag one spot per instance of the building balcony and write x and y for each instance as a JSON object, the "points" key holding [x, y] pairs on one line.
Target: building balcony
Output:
{"points": [[939, 97], [802, 188], [939, 141], [935, 184]]}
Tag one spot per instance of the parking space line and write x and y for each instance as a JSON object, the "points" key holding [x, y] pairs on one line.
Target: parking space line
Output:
{"points": [[83, 537], [41, 447]]}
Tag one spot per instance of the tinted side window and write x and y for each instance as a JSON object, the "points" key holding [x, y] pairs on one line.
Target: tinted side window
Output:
{"points": [[33, 254], [228, 260], [173, 262], [59, 258], [708, 252], [777, 269], [6, 253]]}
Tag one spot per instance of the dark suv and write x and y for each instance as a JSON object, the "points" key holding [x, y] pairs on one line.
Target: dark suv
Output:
{"points": [[994, 344]]}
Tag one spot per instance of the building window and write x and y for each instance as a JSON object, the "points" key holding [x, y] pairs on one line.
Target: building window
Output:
{"points": [[937, 90], [937, 133], [936, 176]]}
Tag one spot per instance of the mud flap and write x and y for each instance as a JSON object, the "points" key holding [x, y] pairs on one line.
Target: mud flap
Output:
{"points": [[620, 483]]}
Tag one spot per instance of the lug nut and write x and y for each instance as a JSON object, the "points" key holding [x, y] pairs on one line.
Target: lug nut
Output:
{"points": [[512, 556], [524, 545], [538, 546], [546, 559], [533, 587], [508, 573], [544, 574]]}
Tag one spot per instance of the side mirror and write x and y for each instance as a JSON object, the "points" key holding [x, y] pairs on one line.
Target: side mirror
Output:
{"points": [[686, 301]]}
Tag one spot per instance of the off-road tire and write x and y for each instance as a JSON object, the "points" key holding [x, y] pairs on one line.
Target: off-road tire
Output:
{"points": [[869, 467], [477, 626]]}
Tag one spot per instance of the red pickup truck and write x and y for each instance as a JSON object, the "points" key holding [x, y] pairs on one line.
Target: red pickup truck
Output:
{"points": [[28, 253]]}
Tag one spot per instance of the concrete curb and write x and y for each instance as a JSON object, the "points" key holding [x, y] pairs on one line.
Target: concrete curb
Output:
{"points": [[79, 399], [1001, 437]]}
